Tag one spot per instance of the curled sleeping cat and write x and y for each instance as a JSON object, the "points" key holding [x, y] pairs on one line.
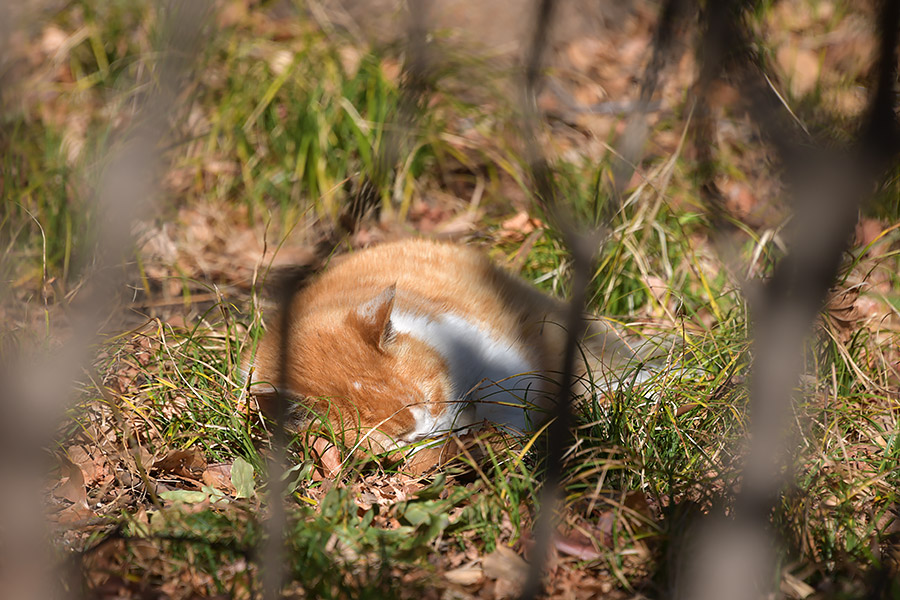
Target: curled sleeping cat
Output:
{"points": [[408, 342]]}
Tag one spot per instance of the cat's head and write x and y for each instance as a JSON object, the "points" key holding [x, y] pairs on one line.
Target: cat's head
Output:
{"points": [[351, 370]]}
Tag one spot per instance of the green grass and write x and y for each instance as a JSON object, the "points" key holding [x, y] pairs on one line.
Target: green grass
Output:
{"points": [[283, 122]]}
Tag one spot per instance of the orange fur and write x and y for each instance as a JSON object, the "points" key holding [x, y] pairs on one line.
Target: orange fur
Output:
{"points": [[348, 359]]}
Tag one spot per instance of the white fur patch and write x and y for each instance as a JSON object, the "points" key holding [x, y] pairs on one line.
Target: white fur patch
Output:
{"points": [[428, 425], [490, 377]]}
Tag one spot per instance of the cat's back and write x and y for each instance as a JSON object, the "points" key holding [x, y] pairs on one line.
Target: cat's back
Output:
{"points": [[431, 278]]}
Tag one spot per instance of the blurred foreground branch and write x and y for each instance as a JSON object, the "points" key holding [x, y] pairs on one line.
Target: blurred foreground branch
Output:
{"points": [[736, 557], [38, 387], [582, 240]]}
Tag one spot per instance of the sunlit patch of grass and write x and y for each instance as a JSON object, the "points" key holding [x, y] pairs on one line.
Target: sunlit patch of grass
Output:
{"points": [[38, 224], [56, 119], [299, 123], [678, 440]]}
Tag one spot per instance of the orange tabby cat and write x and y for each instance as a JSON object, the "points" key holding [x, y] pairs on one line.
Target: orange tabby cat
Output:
{"points": [[410, 341]]}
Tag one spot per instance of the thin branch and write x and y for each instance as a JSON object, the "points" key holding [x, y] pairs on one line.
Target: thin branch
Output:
{"points": [[582, 250]]}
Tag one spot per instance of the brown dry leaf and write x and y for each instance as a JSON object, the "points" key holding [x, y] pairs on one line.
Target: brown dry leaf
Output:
{"points": [[588, 94], [802, 67], [429, 215], [327, 458], [739, 197], [212, 242], [72, 488], [462, 223], [516, 228], [867, 231], [103, 434], [189, 464], [52, 40], [468, 575], [793, 587], [71, 485], [74, 137], [350, 57], [723, 95], [841, 304], [506, 588], [232, 13], [846, 101], [391, 69], [658, 288], [94, 468], [637, 503], [508, 568], [585, 539], [218, 477], [577, 544], [842, 311], [79, 511], [582, 53], [279, 61]]}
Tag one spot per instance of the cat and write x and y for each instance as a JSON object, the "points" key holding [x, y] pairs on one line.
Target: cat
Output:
{"points": [[407, 342]]}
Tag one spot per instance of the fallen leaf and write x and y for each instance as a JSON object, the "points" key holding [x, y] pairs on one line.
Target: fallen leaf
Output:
{"points": [[739, 197], [53, 39], [867, 231], [218, 476], [794, 587], [583, 52], [75, 513], [94, 469], [185, 496], [842, 312], [391, 69], [470, 575], [504, 563], [242, 478], [802, 67], [350, 58], [327, 457], [188, 463], [576, 544], [279, 61], [461, 223], [658, 289], [72, 486], [232, 13], [517, 227]]}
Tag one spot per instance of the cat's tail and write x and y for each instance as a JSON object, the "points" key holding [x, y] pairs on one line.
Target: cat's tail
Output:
{"points": [[611, 362]]}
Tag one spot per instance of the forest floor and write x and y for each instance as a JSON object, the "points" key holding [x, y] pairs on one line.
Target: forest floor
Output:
{"points": [[159, 477]]}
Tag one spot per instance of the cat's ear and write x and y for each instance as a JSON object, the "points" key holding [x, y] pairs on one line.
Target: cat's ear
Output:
{"points": [[373, 319]]}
